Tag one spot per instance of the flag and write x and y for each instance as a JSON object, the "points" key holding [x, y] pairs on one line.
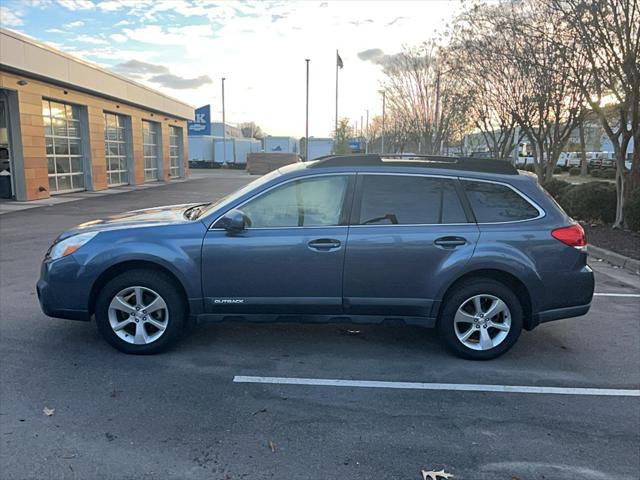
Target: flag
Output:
{"points": [[339, 60]]}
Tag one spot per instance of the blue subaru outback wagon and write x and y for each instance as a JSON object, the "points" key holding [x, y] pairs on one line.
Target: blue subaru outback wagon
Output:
{"points": [[469, 246]]}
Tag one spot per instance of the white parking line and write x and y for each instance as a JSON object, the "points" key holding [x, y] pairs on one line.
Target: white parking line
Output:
{"points": [[632, 295], [457, 387]]}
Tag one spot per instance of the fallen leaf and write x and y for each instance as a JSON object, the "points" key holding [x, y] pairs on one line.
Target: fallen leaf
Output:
{"points": [[352, 332], [48, 411], [433, 475], [68, 456], [262, 410], [272, 446]]}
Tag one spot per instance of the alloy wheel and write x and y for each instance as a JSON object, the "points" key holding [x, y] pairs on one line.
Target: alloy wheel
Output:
{"points": [[482, 322], [138, 315]]}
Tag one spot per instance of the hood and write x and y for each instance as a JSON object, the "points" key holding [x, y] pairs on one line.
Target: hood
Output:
{"points": [[146, 217]]}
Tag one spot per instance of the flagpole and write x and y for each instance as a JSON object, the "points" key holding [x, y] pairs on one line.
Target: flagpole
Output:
{"points": [[306, 129], [336, 126]]}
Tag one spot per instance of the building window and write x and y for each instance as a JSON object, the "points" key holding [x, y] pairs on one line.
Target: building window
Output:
{"points": [[64, 146], [151, 146], [175, 150], [116, 149]]}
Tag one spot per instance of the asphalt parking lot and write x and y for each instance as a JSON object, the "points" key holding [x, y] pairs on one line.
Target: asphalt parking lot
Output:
{"points": [[180, 415]]}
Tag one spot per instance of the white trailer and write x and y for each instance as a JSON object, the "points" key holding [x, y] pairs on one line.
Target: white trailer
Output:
{"points": [[200, 148], [281, 145], [319, 147], [219, 148]]}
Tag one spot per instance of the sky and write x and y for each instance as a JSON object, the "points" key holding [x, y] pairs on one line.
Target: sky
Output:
{"points": [[184, 47]]}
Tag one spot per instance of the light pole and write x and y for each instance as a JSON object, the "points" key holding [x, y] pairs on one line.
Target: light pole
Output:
{"points": [[224, 128], [384, 93], [366, 139], [306, 129]]}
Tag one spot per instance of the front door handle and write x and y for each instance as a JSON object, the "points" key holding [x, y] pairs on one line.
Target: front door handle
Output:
{"points": [[324, 244], [450, 242]]}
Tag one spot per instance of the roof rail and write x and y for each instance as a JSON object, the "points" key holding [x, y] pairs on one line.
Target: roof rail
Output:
{"points": [[487, 165]]}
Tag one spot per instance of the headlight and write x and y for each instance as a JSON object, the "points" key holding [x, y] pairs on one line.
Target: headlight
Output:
{"points": [[69, 245]]}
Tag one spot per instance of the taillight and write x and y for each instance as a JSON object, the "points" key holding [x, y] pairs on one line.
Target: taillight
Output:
{"points": [[573, 235]]}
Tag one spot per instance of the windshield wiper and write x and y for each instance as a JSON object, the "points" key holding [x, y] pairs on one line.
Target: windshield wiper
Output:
{"points": [[194, 212]]}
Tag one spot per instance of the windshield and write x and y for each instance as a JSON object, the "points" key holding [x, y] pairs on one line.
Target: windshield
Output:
{"points": [[205, 209]]}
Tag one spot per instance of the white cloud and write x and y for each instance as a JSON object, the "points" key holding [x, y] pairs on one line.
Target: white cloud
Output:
{"points": [[110, 6], [89, 39], [55, 30], [10, 18], [74, 5], [76, 24], [260, 47], [118, 37]]}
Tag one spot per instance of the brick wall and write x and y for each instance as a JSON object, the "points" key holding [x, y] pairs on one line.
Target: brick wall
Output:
{"points": [[33, 141]]}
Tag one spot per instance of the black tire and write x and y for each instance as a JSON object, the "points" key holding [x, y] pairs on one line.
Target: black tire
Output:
{"points": [[160, 283], [461, 294]]}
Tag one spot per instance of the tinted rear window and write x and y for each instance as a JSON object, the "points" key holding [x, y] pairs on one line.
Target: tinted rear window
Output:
{"points": [[497, 203], [409, 200]]}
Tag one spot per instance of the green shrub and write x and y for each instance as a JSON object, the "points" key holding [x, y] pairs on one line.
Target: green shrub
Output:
{"points": [[574, 171], [609, 173], [596, 173], [557, 170], [632, 210], [593, 201], [556, 187]]}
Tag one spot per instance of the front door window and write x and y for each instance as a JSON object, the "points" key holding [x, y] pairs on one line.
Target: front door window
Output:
{"points": [[301, 203]]}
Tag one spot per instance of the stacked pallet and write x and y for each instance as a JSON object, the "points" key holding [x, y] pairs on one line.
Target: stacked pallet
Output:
{"points": [[261, 163]]}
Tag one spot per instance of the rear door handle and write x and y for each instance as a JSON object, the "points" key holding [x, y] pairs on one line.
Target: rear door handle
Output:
{"points": [[324, 244], [450, 242]]}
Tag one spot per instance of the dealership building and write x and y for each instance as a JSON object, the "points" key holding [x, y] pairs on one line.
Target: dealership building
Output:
{"points": [[67, 125]]}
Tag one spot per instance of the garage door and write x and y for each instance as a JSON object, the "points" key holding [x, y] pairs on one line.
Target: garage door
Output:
{"points": [[64, 146]]}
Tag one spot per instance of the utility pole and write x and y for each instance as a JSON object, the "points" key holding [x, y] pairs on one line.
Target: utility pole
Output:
{"points": [[366, 139], [384, 93], [224, 128], [306, 130]]}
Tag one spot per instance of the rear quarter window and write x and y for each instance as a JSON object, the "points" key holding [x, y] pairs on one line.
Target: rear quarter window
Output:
{"points": [[493, 203]]}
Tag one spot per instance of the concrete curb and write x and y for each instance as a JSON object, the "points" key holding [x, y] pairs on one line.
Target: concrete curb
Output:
{"points": [[614, 258]]}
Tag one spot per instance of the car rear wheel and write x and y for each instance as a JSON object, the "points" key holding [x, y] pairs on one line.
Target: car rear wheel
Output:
{"points": [[481, 319], [140, 312]]}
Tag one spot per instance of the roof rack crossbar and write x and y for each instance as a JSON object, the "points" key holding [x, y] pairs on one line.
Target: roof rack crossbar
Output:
{"points": [[486, 165]]}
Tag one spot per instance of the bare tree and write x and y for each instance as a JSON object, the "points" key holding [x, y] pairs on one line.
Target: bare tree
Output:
{"points": [[521, 78], [342, 136], [251, 130], [606, 33], [482, 81], [421, 98]]}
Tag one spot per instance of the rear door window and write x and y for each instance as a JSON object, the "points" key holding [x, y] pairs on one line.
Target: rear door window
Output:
{"points": [[408, 200], [494, 203]]}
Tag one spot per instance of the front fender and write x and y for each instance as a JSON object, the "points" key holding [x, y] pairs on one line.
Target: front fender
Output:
{"points": [[176, 248]]}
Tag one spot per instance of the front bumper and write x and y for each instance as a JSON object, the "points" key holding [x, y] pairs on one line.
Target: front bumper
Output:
{"points": [[61, 290]]}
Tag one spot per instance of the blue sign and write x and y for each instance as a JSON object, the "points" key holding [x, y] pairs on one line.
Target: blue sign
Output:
{"points": [[354, 145], [201, 125]]}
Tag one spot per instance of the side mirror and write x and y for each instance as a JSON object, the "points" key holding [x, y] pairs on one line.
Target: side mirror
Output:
{"points": [[234, 221]]}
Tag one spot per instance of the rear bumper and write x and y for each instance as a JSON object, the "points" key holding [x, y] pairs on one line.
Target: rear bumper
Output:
{"points": [[571, 295], [565, 312]]}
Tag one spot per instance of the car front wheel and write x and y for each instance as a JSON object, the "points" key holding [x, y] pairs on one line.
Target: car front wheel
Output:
{"points": [[140, 312], [481, 319]]}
